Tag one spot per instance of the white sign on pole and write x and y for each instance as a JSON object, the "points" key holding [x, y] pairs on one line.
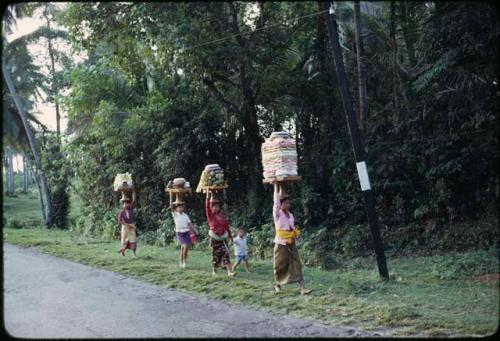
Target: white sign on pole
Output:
{"points": [[364, 181]]}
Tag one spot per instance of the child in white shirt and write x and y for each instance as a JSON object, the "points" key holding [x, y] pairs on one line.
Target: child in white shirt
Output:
{"points": [[182, 227], [241, 249]]}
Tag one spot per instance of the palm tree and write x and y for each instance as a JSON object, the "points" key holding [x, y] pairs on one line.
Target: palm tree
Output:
{"points": [[44, 191], [48, 35], [10, 173], [9, 17], [25, 175]]}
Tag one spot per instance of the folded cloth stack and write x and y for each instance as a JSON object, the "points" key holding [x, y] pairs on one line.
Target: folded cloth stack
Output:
{"points": [[123, 181], [279, 156], [212, 175], [179, 183]]}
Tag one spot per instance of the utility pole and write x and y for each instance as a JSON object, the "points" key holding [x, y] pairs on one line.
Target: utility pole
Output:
{"points": [[357, 143]]}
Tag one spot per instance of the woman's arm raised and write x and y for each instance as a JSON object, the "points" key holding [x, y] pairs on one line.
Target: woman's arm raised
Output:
{"points": [[276, 202]]}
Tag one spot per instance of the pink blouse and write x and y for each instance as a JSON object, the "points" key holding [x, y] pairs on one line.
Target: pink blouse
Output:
{"points": [[281, 221]]}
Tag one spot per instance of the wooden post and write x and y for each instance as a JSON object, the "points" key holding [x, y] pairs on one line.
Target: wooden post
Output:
{"points": [[357, 143]]}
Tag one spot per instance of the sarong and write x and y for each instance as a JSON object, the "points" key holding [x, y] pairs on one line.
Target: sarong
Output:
{"points": [[128, 238], [220, 253], [287, 266]]}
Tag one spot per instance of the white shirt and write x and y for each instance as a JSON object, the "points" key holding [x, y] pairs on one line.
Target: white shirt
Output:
{"points": [[240, 246], [181, 222]]}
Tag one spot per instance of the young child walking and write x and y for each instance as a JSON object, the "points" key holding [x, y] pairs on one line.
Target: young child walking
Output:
{"points": [[241, 249], [182, 228], [128, 231]]}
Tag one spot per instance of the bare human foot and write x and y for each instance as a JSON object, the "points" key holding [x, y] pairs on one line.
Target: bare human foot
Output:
{"points": [[305, 291], [277, 288]]}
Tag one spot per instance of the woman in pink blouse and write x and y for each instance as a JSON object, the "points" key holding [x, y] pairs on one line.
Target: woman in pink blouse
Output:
{"points": [[287, 265]]}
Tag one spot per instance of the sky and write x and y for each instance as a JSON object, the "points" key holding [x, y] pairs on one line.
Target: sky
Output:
{"points": [[47, 110]]}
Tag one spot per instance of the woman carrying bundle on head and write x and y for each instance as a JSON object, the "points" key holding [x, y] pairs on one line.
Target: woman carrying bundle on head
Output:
{"points": [[128, 231], [287, 266], [219, 234]]}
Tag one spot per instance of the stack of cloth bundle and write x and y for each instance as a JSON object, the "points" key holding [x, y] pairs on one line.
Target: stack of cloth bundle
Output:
{"points": [[179, 187], [123, 182], [178, 183], [212, 175], [279, 156]]}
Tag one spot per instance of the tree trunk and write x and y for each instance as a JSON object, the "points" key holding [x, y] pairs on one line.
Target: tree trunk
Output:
{"points": [[362, 87], [10, 173], [54, 85], [394, 61], [29, 170], [43, 205], [44, 190], [249, 120], [25, 175], [149, 69], [18, 173], [5, 167], [410, 49]]}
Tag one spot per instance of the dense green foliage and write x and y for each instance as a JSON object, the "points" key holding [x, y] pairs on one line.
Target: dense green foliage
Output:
{"points": [[170, 87], [161, 96]]}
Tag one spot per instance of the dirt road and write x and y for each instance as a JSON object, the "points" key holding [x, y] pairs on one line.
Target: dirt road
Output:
{"points": [[48, 297]]}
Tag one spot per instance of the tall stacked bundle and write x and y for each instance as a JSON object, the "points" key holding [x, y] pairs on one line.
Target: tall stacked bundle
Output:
{"points": [[279, 156], [212, 175]]}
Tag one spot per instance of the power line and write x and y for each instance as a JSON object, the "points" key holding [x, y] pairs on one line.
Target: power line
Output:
{"points": [[239, 34], [249, 32]]}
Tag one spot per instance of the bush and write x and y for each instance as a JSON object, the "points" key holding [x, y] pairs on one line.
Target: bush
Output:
{"points": [[460, 266], [97, 223], [165, 233], [147, 237], [261, 241], [314, 248], [16, 223], [13, 223], [354, 240]]}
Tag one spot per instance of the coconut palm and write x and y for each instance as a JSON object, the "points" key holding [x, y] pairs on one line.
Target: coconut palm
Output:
{"points": [[25, 129]]}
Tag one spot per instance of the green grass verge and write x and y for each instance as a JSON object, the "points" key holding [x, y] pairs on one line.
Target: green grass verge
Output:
{"points": [[23, 208], [429, 296]]}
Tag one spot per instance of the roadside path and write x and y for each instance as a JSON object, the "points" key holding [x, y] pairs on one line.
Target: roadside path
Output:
{"points": [[49, 297]]}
